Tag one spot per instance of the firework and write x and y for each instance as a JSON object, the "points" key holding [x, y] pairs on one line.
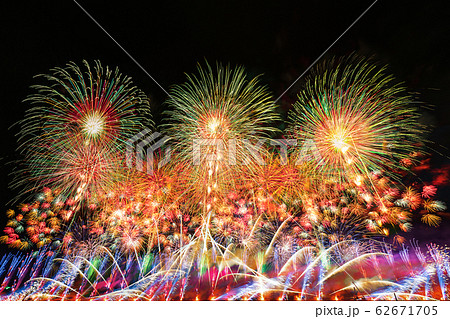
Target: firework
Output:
{"points": [[75, 134], [217, 119], [356, 120], [227, 218]]}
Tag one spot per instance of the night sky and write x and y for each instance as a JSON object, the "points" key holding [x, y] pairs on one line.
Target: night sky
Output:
{"points": [[278, 39]]}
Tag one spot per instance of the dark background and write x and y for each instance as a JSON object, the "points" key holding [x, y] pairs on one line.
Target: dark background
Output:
{"points": [[277, 39]]}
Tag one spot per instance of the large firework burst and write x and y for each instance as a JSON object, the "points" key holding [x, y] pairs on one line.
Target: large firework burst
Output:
{"points": [[74, 135], [217, 119], [354, 119]]}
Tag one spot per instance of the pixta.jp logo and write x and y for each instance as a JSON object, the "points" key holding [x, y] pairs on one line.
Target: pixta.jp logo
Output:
{"points": [[144, 145]]}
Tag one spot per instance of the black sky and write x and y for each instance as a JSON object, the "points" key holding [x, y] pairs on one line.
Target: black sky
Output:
{"points": [[278, 38]]}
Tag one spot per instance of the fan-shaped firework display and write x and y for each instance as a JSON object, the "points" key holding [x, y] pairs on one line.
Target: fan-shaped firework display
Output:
{"points": [[223, 215]]}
